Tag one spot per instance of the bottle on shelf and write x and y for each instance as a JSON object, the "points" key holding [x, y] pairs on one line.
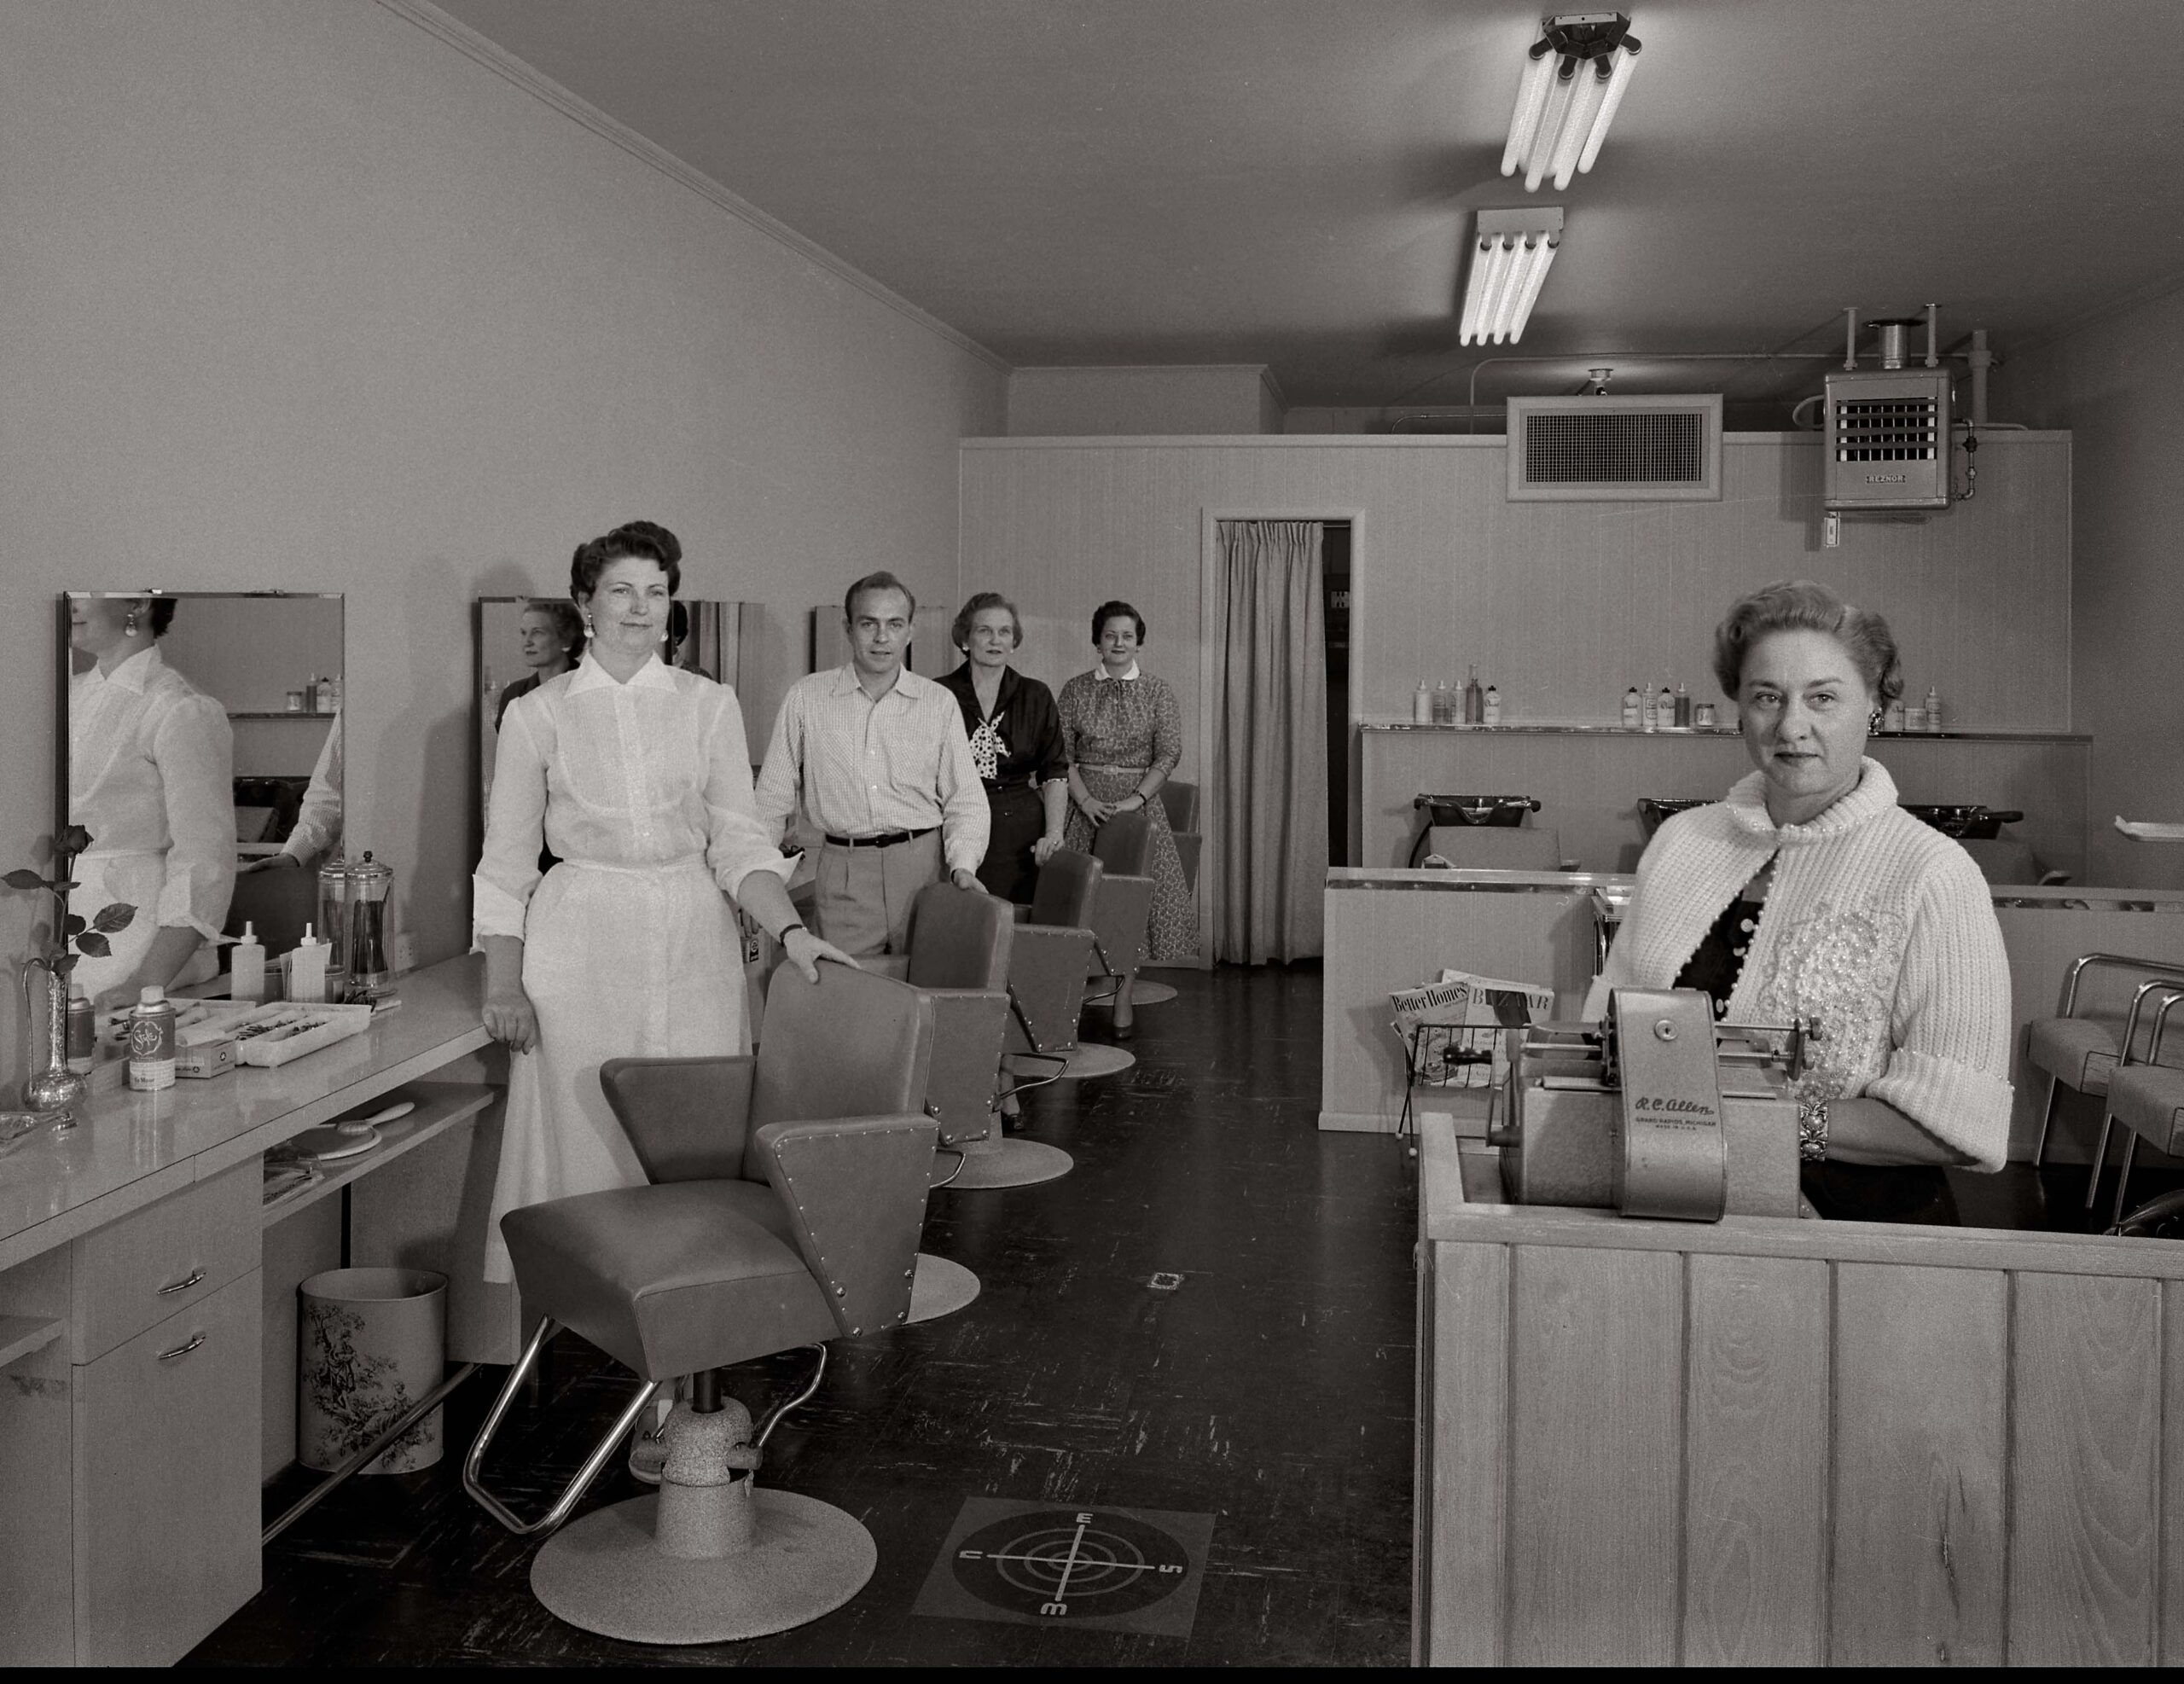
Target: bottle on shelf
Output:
{"points": [[1632, 707], [329, 693], [1663, 708], [1421, 705], [1490, 709], [81, 1029], [1444, 704], [1680, 706], [307, 971], [1474, 698], [1933, 709]]}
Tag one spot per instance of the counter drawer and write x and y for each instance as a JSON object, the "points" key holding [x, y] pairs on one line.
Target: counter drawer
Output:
{"points": [[166, 1483], [166, 1257]]}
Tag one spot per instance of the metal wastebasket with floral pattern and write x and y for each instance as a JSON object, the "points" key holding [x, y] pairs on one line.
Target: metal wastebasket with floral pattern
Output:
{"points": [[372, 1342]]}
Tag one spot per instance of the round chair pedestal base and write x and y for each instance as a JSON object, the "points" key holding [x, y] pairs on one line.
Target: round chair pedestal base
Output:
{"points": [[603, 1573], [1010, 1163], [939, 1288], [1144, 993], [1090, 1059]]}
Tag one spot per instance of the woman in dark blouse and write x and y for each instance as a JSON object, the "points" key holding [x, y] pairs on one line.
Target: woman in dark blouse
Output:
{"points": [[1016, 739]]}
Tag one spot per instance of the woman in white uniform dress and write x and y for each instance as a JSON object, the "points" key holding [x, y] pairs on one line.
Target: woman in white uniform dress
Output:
{"points": [[151, 777], [637, 776]]}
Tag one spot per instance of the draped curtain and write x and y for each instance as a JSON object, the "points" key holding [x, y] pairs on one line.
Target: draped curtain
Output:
{"points": [[1269, 743]]}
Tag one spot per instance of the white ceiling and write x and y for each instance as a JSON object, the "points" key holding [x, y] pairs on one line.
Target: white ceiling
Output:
{"points": [[1289, 182]]}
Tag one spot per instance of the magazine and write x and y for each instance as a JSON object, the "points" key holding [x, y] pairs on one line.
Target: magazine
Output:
{"points": [[1453, 1027]]}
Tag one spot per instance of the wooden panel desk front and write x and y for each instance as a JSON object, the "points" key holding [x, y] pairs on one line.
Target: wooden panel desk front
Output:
{"points": [[137, 1259], [1770, 1442]]}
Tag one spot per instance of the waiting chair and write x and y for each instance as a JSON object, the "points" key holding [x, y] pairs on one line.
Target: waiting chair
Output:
{"points": [[1052, 957], [2080, 1049], [2147, 1096], [786, 1195]]}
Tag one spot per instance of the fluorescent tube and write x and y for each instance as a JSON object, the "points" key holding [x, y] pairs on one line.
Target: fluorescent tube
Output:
{"points": [[1532, 100], [1578, 122], [1550, 124], [1624, 58], [1520, 310]]}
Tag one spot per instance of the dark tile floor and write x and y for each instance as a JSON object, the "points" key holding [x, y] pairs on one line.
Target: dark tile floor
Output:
{"points": [[1272, 1390]]}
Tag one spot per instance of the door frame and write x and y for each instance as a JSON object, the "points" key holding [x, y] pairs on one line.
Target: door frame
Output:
{"points": [[1210, 608]]}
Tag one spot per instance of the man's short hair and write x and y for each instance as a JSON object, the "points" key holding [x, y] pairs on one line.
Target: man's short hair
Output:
{"points": [[882, 580]]}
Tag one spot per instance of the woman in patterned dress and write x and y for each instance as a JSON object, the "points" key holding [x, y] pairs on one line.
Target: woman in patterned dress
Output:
{"points": [[1123, 734], [1016, 741]]}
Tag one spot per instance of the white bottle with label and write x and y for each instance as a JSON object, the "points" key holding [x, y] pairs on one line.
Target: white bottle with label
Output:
{"points": [[328, 695], [1933, 709], [1665, 709], [307, 971], [1421, 705], [247, 967], [1632, 706], [1490, 712], [151, 1042]]}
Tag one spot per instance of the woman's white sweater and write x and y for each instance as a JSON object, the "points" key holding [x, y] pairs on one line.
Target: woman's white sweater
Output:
{"points": [[1879, 925]]}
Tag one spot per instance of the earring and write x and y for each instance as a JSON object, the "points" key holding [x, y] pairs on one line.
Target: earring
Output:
{"points": [[1874, 719], [128, 624]]}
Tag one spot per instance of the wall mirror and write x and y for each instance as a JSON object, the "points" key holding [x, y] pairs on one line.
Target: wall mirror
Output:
{"points": [[198, 730]]}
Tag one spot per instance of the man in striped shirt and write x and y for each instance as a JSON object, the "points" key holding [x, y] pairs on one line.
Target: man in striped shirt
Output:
{"points": [[876, 759]]}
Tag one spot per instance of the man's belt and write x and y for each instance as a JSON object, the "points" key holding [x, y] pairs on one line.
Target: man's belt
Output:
{"points": [[887, 841]]}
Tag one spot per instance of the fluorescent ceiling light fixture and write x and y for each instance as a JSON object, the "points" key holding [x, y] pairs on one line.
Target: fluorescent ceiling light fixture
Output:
{"points": [[1511, 252], [1574, 79]]}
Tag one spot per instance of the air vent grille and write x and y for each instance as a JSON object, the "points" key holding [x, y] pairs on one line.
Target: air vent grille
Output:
{"points": [[1903, 430], [1644, 448]]}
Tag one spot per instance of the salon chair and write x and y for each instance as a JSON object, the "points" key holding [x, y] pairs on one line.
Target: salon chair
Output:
{"points": [[1491, 848], [961, 942], [1048, 965], [1122, 911], [2004, 859], [2102, 993], [786, 1195], [2146, 1095]]}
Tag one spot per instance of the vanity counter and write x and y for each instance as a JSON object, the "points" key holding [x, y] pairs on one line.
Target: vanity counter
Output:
{"points": [[129, 1149]]}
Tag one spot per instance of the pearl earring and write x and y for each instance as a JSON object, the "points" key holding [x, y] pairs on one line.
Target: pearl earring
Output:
{"points": [[128, 624]]}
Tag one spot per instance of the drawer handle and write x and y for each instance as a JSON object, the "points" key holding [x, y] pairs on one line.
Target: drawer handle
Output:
{"points": [[195, 1275], [183, 1349]]}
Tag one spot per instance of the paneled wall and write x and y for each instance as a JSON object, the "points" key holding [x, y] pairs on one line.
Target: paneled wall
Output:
{"points": [[1562, 605]]}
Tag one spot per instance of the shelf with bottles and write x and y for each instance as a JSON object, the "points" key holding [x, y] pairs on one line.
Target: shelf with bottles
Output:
{"points": [[1683, 732]]}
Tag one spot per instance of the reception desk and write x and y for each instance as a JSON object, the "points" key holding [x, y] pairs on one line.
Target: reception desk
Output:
{"points": [[147, 1315], [1789, 1442], [1390, 929]]}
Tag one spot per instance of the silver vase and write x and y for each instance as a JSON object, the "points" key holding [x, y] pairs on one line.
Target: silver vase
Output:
{"points": [[56, 1088]]}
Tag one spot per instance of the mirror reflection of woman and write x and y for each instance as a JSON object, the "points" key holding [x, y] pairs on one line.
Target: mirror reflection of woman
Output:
{"points": [[151, 777], [1016, 740], [637, 775], [551, 636]]}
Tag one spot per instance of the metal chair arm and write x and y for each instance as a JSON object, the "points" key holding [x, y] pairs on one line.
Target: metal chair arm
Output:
{"points": [[2080, 965]]}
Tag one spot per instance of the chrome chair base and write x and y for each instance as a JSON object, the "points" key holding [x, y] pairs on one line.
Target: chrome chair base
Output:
{"points": [[939, 1288], [1009, 1162]]}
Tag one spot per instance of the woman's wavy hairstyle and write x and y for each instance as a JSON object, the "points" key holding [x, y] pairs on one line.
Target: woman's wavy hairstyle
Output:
{"points": [[966, 615], [1116, 610], [1804, 605], [568, 623], [642, 539]]}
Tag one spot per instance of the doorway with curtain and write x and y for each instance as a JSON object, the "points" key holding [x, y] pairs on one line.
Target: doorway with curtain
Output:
{"points": [[1267, 728]]}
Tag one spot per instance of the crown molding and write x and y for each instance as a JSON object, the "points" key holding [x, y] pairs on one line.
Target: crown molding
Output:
{"points": [[502, 63]]}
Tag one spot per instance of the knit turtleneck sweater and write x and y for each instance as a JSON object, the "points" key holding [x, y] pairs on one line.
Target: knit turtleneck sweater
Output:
{"points": [[1879, 926]]}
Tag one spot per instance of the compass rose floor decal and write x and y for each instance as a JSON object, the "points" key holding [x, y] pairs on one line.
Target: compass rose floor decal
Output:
{"points": [[1094, 1568]]}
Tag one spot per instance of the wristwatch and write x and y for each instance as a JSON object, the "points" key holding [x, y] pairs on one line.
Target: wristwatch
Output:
{"points": [[788, 930], [1812, 1129]]}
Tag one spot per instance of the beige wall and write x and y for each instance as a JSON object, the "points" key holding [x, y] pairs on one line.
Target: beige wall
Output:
{"points": [[302, 295], [2118, 384], [1144, 401], [1562, 605]]}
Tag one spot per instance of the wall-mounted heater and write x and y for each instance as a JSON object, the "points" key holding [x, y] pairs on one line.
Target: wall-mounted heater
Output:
{"points": [[1888, 429], [1616, 450]]}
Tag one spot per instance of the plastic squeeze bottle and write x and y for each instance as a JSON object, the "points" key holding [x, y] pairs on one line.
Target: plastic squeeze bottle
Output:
{"points": [[151, 1042], [1421, 705], [1632, 706], [1681, 706], [307, 971], [1490, 711], [247, 967]]}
